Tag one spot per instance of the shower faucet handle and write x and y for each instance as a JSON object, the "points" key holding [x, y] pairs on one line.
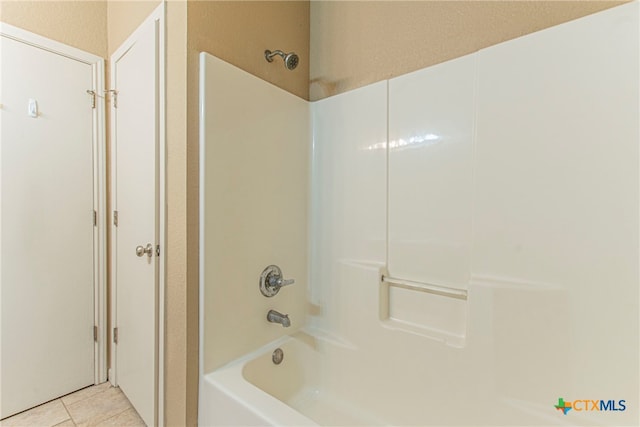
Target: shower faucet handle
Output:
{"points": [[271, 281], [280, 282]]}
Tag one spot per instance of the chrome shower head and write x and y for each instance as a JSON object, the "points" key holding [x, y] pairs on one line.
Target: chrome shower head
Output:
{"points": [[290, 59]]}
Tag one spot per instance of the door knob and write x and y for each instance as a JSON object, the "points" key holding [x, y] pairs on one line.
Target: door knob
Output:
{"points": [[142, 250]]}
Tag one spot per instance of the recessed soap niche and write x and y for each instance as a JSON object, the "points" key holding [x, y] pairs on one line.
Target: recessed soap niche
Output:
{"points": [[431, 311]]}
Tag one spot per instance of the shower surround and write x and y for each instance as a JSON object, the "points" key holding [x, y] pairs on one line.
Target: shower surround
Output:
{"points": [[497, 195]]}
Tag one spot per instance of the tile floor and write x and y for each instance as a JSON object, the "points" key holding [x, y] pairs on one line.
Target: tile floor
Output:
{"points": [[99, 405]]}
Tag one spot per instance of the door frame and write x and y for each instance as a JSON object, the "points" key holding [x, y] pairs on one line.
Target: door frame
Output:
{"points": [[158, 16], [99, 178]]}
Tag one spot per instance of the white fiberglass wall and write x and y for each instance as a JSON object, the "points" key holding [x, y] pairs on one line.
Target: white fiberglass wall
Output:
{"points": [[253, 197], [511, 177]]}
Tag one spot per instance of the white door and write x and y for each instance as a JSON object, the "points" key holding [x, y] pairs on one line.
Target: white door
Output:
{"points": [[47, 226], [135, 109]]}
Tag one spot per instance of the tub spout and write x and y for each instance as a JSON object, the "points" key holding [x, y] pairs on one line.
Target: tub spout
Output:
{"points": [[275, 317]]}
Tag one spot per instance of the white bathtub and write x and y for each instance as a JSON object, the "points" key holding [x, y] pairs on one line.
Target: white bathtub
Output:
{"points": [[329, 382], [254, 391]]}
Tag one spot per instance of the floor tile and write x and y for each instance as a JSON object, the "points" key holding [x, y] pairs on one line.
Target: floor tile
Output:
{"points": [[67, 423], [47, 415], [99, 407], [128, 418], [85, 393]]}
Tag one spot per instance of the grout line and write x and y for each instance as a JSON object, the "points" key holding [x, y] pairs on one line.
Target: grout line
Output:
{"points": [[30, 410], [388, 221], [114, 415], [81, 400], [88, 397], [62, 422], [67, 409], [474, 165]]}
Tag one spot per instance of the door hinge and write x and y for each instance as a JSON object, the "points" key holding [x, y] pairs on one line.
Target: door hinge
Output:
{"points": [[93, 98], [115, 335], [115, 218], [158, 250], [95, 333], [114, 96], [95, 218]]}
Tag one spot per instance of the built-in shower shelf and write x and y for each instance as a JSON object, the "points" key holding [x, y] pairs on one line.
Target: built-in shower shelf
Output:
{"points": [[431, 311], [444, 291]]}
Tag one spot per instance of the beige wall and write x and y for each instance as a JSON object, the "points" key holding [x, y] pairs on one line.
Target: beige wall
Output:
{"points": [[181, 392], [238, 32], [81, 24], [125, 16], [356, 43]]}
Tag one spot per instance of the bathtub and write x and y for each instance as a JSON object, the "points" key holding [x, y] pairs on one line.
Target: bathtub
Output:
{"points": [[324, 380], [254, 391]]}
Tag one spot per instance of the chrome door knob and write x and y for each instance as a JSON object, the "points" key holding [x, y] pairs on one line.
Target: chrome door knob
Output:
{"points": [[140, 250]]}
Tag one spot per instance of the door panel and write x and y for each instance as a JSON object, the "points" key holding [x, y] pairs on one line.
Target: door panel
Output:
{"points": [[46, 197], [136, 140]]}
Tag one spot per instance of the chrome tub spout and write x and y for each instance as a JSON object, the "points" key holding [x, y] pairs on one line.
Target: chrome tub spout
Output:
{"points": [[275, 317]]}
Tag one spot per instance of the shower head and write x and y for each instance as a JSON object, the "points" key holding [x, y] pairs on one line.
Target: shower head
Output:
{"points": [[290, 59]]}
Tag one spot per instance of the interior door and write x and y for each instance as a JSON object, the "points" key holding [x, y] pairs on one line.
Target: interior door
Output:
{"points": [[46, 226], [136, 137]]}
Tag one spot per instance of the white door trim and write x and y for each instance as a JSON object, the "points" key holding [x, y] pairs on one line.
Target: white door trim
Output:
{"points": [[157, 16], [99, 178]]}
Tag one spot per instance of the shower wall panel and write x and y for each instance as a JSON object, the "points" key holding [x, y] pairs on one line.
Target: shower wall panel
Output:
{"points": [[511, 175], [431, 124], [254, 197], [556, 217], [348, 213], [514, 174]]}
